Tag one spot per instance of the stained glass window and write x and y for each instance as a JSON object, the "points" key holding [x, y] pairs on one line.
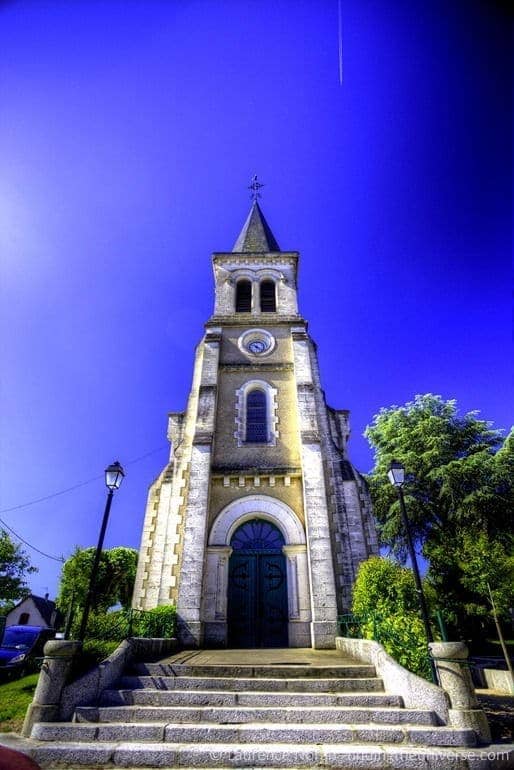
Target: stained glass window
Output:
{"points": [[256, 417], [257, 535]]}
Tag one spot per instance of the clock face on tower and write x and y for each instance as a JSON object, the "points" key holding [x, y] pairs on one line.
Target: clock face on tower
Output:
{"points": [[257, 346], [256, 342]]}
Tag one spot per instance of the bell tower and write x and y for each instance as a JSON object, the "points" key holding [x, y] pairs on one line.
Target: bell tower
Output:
{"points": [[256, 526]]}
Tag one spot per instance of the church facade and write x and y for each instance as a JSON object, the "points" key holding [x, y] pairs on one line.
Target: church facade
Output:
{"points": [[257, 524]]}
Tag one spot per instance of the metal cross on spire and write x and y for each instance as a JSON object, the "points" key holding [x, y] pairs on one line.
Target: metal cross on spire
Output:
{"points": [[255, 186]]}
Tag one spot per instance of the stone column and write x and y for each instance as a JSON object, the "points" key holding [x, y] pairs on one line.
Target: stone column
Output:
{"points": [[194, 538], [53, 677], [256, 298], [450, 660], [214, 605], [321, 569], [189, 627], [317, 519], [298, 599]]}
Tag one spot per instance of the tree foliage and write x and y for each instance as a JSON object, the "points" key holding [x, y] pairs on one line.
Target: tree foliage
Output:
{"points": [[115, 579], [486, 566], [14, 567], [385, 598], [459, 491]]}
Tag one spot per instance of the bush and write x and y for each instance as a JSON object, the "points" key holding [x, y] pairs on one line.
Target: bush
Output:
{"points": [[156, 623], [385, 598], [108, 626], [118, 625], [93, 652], [98, 650], [105, 631], [403, 637]]}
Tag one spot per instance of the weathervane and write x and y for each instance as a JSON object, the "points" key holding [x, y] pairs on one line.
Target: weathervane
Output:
{"points": [[255, 186]]}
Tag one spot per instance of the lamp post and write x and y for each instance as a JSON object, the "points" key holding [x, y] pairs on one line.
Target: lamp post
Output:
{"points": [[396, 475], [114, 475]]}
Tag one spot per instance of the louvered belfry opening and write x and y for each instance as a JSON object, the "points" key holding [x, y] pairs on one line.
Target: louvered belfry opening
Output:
{"points": [[256, 417], [244, 297], [268, 301]]}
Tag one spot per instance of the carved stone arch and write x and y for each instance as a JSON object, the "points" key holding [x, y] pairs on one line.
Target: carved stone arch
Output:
{"points": [[257, 506], [243, 272], [219, 550], [270, 274]]}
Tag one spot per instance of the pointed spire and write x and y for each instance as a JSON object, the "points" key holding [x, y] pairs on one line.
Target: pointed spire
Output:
{"points": [[256, 235]]}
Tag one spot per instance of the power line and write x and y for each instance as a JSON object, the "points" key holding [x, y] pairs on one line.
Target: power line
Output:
{"points": [[76, 486], [61, 559], [49, 497]]}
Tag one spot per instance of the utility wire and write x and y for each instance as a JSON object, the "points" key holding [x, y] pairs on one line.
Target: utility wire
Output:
{"points": [[76, 486], [49, 497], [60, 559], [62, 492]]}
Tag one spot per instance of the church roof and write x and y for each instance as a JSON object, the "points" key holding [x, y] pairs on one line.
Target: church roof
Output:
{"points": [[256, 235]]}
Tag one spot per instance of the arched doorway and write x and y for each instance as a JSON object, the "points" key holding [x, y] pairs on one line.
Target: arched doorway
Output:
{"points": [[257, 612]]}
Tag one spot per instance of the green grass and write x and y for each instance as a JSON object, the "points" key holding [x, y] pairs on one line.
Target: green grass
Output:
{"points": [[14, 700]]}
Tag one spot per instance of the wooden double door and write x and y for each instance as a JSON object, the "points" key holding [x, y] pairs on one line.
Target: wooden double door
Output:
{"points": [[257, 599]]}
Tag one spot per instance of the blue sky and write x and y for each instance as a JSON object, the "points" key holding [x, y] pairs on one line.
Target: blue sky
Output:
{"points": [[129, 132]]}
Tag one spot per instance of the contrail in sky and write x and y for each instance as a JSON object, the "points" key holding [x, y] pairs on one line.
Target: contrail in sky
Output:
{"points": [[340, 24]]}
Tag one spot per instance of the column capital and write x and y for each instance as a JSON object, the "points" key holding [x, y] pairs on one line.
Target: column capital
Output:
{"points": [[292, 550], [221, 550]]}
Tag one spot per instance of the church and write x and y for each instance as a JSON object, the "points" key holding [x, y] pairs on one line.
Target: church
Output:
{"points": [[256, 526]]}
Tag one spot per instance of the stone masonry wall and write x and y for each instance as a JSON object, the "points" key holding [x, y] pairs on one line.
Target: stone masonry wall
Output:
{"points": [[352, 527]]}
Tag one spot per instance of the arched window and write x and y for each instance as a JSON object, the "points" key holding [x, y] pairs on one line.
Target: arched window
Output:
{"points": [[256, 413], [268, 300], [24, 619], [256, 417], [244, 297]]}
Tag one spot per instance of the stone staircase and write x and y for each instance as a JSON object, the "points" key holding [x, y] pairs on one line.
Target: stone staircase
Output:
{"points": [[183, 713]]}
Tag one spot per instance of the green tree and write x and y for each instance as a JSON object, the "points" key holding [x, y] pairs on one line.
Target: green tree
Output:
{"points": [[385, 598], [115, 579], [460, 479], [14, 567], [486, 565]]}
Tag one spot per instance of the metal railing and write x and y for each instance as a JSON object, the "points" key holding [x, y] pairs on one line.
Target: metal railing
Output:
{"points": [[123, 624], [361, 626]]}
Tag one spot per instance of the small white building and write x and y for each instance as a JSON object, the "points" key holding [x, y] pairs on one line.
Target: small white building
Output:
{"points": [[33, 611]]}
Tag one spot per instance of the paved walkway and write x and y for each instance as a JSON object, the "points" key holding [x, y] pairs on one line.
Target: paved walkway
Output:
{"points": [[289, 656]]}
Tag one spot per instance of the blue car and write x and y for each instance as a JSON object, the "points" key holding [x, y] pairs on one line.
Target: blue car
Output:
{"points": [[20, 647]]}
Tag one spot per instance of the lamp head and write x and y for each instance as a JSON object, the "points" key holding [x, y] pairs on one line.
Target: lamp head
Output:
{"points": [[396, 474], [114, 475]]}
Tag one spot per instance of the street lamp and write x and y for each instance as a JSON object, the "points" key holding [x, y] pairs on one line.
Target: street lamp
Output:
{"points": [[396, 475], [114, 475]]}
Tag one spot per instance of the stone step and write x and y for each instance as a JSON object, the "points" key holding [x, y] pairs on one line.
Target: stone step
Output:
{"points": [[347, 671], [257, 733], [213, 698], [229, 684], [241, 715], [230, 756]]}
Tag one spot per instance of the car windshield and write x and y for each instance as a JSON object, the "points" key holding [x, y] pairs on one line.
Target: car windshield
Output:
{"points": [[20, 639]]}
